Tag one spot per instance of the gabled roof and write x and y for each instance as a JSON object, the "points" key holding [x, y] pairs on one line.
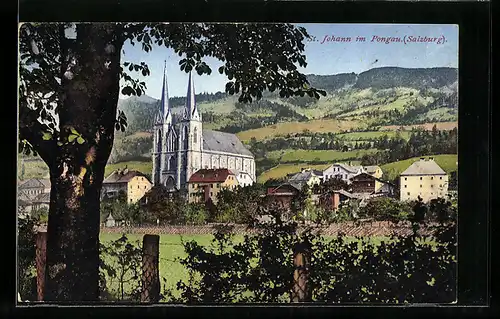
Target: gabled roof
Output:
{"points": [[305, 175], [122, 176], [223, 142], [237, 172], [349, 168], [372, 169], [42, 198], [424, 167], [218, 175], [21, 195], [21, 203], [343, 192], [293, 186], [34, 183], [371, 177]]}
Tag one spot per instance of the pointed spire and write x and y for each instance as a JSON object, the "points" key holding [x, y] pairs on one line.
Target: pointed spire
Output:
{"points": [[190, 111], [165, 105]]}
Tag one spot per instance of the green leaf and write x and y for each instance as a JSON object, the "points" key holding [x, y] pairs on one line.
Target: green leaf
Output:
{"points": [[47, 136], [80, 140], [71, 138], [72, 129]]}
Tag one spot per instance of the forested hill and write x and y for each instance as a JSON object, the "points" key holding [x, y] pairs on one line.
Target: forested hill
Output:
{"points": [[376, 78], [389, 77], [433, 95]]}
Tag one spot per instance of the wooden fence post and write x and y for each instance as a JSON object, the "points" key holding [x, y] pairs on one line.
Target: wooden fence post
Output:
{"points": [[150, 268], [41, 257], [301, 260]]}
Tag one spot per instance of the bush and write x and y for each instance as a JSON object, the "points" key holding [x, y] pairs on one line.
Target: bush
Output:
{"points": [[41, 215], [384, 208], [414, 268], [120, 270], [26, 254], [195, 214]]}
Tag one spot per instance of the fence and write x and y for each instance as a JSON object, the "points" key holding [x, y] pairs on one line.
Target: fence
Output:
{"points": [[150, 292], [367, 228]]}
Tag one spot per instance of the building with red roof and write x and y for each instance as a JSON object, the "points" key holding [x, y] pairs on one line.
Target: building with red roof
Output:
{"points": [[205, 184]]}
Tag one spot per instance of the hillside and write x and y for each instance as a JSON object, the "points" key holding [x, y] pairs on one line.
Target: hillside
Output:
{"points": [[448, 162], [381, 96], [388, 77]]}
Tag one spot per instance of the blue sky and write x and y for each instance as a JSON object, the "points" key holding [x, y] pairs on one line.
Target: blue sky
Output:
{"points": [[323, 57]]}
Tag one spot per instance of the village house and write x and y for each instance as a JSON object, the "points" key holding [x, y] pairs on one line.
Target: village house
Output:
{"points": [[365, 183], [331, 200], [132, 183], [347, 171], [243, 178], [33, 194], [425, 179], [307, 176], [283, 194], [205, 184], [374, 170]]}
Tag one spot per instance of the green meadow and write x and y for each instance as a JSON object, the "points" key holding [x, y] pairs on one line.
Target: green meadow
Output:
{"points": [[171, 250]]}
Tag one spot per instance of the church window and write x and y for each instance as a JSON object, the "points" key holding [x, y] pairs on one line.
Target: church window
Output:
{"points": [[195, 135], [186, 138], [171, 163], [158, 140]]}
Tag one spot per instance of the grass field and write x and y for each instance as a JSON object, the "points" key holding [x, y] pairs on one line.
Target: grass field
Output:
{"points": [[143, 167], [284, 169], [32, 169], [448, 162], [395, 105], [139, 135], [320, 126], [363, 136], [315, 155], [427, 126], [38, 169]]}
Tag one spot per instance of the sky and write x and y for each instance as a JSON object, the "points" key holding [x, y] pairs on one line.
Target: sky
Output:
{"points": [[323, 57]]}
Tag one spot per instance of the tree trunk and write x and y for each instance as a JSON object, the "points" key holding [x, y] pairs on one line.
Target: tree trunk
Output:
{"points": [[88, 104]]}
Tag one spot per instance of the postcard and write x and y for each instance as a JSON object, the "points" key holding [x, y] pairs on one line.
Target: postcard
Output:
{"points": [[184, 163]]}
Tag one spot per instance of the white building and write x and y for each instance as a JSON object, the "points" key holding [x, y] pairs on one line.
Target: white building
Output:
{"points": [[180, 149], [425, 179], [342, 171]]}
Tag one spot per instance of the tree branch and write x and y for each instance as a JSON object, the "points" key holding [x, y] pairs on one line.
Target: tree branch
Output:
{"points": [[33, 134]]}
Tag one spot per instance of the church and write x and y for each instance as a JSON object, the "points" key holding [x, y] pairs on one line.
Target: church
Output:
{"points": [[182, 148]]}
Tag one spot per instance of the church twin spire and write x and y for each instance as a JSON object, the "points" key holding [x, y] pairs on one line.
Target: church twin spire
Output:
{"points": [[165, 105], [190, 110]]}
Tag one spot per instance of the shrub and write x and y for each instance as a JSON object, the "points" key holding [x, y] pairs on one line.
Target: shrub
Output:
{"points": [[120, 270], [402, 269], [26, 253]]}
